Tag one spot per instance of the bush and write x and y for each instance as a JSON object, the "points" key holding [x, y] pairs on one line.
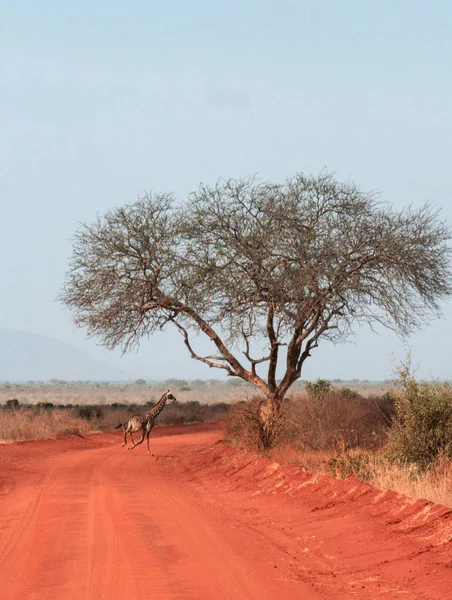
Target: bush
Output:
{"points": [[242, 424], [307, 424], [89, 412], [45, 405], [354, 463], [422, 428], [349, 393], [318, 389], [12, 404], [353, 420]]}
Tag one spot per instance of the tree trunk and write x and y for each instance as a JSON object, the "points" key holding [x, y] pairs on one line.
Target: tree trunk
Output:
{"points": [[269, 420]]}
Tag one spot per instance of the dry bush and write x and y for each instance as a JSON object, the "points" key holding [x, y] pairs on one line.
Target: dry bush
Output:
{"points": [[243, 427], [338, 417], [358, 463], [193, 412], [25, 424], [311, 423], [47, 420]]}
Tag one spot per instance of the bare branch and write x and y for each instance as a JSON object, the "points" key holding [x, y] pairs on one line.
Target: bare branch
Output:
{"points": [[193, 354], [246, 352]]}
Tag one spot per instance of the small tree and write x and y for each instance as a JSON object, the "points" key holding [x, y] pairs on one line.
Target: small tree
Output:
{"points": [[253, 266], [318, 389], [422, 427]]}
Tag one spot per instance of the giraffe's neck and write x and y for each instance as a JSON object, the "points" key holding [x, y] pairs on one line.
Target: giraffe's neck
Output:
{"points": [[155, 410]]}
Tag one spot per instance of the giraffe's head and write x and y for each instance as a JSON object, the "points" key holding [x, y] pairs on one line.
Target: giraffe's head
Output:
{"points": [[169, 396]]}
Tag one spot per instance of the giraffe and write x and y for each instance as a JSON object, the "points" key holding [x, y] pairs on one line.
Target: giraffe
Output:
{"points": [[145, 422]]}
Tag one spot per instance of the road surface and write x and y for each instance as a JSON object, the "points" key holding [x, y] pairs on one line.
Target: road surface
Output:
{"points": [[82, 518]]}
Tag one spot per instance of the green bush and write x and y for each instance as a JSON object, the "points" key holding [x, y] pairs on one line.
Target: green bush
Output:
{"points": [[422, 426], [318, 389], [348, 393]]}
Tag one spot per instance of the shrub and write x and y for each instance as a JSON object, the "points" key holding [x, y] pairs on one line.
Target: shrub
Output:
{"points": [[89, 412], [320, 426], [348, 393], [422, 428], [318, 389], [243, 425], [12, 404], [354, 463], [173, 415], [307, 424], [45, 405]]}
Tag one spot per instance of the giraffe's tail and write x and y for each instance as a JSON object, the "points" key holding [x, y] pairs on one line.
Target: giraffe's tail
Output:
{"points": [[119, 426]]}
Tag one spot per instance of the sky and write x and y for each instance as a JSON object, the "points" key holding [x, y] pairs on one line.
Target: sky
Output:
{"points": [[100, 101]]}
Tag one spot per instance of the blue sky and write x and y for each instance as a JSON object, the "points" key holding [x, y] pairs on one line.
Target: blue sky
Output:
{"points": [[101, 100]]}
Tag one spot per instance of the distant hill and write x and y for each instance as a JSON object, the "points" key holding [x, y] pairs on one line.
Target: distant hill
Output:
{"points": [[27, 356]]}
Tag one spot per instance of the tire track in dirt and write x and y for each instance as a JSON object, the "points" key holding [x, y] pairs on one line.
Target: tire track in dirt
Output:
{"points": [[24, 516]]}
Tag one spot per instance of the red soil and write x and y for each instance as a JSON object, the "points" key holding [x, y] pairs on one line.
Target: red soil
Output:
{"points": [[82, 518]]}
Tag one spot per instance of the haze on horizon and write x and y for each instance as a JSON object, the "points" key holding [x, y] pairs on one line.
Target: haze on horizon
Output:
{"points": [[101, 101]]}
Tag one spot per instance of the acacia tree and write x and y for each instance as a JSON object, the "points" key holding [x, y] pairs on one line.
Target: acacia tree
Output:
{"points": [[258, 265]]}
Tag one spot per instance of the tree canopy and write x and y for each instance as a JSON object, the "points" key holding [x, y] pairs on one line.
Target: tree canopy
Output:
{"points": [[253, 265]]}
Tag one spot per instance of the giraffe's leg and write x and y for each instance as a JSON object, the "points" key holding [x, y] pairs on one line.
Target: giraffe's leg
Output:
{"points": [[125, 439], [148, 433], [140, 442]]}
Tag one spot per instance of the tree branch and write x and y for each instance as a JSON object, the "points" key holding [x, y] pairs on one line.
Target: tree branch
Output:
{"points": [[253, 361], [193, 354]]}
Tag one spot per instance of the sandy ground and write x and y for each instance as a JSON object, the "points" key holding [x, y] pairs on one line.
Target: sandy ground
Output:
{"points": [[83, 518]]}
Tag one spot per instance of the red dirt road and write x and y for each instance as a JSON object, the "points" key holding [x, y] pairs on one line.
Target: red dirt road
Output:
{"points": [[82, 518]]}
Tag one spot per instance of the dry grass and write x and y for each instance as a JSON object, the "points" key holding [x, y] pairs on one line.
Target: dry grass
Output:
{"points": [[311, 461], [434, 484], [35, 422], [26, 425]]}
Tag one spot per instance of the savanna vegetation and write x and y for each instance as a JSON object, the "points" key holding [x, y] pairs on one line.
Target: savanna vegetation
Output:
{"points": [[47, 409], [37, 410], [399, 440]]}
